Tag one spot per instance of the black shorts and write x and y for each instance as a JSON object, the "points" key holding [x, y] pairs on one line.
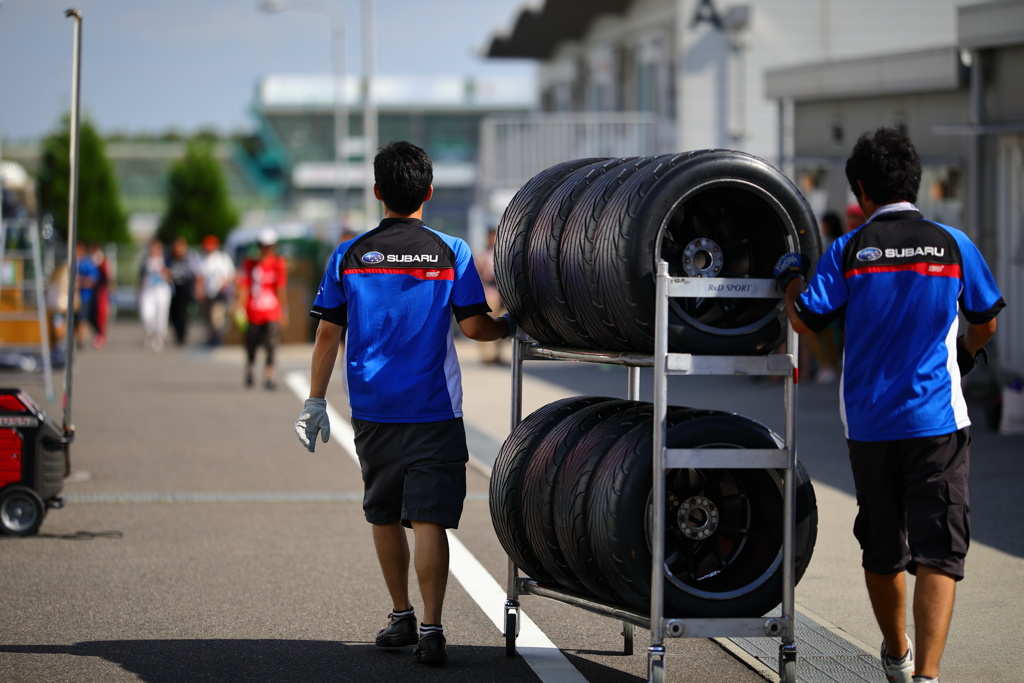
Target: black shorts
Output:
{"points": [[267, 335], [913, 504], [412, 472]]}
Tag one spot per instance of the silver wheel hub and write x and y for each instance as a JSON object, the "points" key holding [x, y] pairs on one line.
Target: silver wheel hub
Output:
{"points": [[698, 518], [702, 258]]}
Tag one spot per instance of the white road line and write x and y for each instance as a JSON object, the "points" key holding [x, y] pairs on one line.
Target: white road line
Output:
{"points": [[546, 660]]}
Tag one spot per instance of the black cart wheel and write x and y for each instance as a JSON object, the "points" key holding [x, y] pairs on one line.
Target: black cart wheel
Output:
{"points": [[576, 255], [720, 214], [570, 507], [21, 511], [723, 530], [539, 483], [506, 486], [543, 252], [510, 248]]}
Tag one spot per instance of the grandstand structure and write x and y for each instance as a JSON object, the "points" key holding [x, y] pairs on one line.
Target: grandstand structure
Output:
{"points": [[444, 115], [286, 171]]}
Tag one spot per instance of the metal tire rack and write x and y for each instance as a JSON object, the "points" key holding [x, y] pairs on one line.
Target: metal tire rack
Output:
{"points": [[784, 459]]}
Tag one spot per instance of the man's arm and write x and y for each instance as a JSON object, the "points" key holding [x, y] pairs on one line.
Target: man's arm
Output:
{"points": [[483, 327], [979, 335], [325, 355], [793, 290]]}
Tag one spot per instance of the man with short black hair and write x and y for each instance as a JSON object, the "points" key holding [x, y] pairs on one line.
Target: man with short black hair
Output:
{"points": [[392, 292], [899, 282]]}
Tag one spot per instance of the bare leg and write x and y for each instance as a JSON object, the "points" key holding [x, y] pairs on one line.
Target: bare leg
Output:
{"points": [[933, 609], [431, 559], [888, 593], [393, 554]]}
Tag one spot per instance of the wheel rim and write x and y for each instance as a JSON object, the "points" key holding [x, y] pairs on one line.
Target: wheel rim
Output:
{"points": [[723, 531], [732, 229], [19, 513]]}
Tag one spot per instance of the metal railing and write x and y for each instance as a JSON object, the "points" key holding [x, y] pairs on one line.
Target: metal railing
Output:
{"points": [[513, 149]]}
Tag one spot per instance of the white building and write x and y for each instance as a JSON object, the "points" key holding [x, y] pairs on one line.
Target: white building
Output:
{"points": [[796, 82], [699, 65]]}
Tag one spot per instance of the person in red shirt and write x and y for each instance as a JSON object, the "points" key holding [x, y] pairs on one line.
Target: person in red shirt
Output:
{"points": [[261, 286]]}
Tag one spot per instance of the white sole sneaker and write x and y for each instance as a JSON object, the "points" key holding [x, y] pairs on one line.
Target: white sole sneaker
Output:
{"points": [[899, 670]]}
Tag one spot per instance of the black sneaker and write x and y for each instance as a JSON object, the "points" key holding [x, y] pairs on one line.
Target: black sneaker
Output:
{"points": [[269, 384], [401, 631], [248, 380], [430, 650]]}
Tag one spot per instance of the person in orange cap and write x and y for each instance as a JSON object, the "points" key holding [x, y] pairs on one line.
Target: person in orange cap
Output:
{"points": [[217, 275]]}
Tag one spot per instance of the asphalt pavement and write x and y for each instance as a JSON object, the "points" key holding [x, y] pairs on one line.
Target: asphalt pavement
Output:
{"points": [[201, 542]]}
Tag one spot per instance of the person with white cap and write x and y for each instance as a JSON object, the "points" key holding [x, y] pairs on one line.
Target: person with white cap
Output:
{"points": [[261, 285]]}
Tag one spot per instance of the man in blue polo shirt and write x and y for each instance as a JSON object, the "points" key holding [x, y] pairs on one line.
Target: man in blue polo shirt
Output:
{"points": [[392, 293], [899, 283]]}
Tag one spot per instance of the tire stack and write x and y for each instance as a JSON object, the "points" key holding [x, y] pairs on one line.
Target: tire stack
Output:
{"points": [[570, 499], [575, 259], [577, 249]]}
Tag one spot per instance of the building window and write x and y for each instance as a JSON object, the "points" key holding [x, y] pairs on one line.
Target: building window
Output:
{"points": [[836, 132]]}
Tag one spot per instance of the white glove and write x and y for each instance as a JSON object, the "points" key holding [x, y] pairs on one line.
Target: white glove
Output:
{"points": [[313, 419], [514, 330]]}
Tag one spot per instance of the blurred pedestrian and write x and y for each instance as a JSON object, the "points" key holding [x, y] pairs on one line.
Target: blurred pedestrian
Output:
{"points": [[88, 275], [490, 352], [184, 268], [901, 281], [262, 284], [100, 311], [392, 293], [217, 274], [61, 323], [154, 296]]}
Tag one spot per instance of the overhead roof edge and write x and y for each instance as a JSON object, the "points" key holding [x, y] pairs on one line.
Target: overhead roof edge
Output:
{"points": [[539, 28]]}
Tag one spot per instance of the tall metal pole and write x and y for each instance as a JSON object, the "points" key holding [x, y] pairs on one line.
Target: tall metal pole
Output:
{"points": [[369, 114], [340, 121], [69, 349]]}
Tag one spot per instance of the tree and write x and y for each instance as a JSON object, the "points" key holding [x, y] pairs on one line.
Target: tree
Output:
{"points": [[197, 196], [101, 217]]}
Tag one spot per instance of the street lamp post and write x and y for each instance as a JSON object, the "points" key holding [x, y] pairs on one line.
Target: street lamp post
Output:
{"points": [[369, 113], [338, 92]]}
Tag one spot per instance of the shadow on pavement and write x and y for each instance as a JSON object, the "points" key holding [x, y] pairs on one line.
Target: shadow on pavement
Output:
{"points": [[267, 660]]}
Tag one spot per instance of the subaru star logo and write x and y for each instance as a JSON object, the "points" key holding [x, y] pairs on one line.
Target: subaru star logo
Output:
{"points": [[869, 254], [373, 257]]}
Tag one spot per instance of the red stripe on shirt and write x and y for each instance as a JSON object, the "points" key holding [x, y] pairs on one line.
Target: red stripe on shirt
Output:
{"points": [[418, 273], [934, 269]]}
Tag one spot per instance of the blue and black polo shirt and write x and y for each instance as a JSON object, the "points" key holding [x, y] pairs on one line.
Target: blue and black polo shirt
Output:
{"points": [[396, 288], [900, 281]]}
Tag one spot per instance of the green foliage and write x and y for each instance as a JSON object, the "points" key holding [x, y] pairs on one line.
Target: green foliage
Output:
{"points": [[197, 196], [101, 217]]}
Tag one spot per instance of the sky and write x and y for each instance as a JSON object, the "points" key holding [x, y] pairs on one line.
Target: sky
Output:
{"points": [[149, 66]]}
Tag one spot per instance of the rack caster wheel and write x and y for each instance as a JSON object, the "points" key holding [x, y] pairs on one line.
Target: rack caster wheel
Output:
{"points": [[787, 667], [511, 630], [628, 633], [656, 671]]}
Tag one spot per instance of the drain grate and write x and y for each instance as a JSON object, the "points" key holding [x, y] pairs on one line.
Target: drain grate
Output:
{"points": [[822, 656]]}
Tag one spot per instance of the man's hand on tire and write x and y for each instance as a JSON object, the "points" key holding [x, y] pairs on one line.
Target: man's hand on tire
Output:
{"points": [[790, 267], [514, 330]]}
